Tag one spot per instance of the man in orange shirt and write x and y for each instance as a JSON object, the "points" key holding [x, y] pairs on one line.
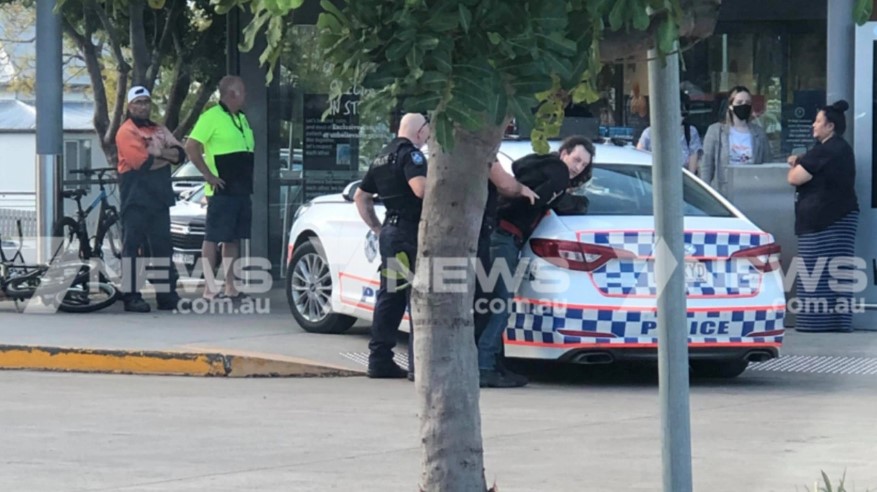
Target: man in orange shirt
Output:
{"points": [[146, 150]]}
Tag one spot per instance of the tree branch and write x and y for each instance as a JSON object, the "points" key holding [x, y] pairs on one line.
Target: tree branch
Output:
{"points": [[92, 64], [180, 89], [138, 43], [161, 46], [204, 92], [115, 45], [118, 113]]}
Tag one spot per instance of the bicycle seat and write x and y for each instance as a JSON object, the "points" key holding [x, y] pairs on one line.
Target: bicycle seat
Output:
{"points": [[74, 194]]}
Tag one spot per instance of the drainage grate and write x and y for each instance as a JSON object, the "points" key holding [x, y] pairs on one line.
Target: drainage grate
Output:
{"points": [[819, 364], [361, 358]]}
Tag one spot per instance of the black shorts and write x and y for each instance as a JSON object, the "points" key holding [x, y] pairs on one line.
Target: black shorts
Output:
{"points": [[229, 218]]}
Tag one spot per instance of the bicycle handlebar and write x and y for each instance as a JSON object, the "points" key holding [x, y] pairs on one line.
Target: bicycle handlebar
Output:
{"points": [[89, 172]]}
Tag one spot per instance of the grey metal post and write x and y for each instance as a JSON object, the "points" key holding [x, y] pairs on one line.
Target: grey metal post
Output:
{"points": [[666, 132], [50, 137], [840, 68]]}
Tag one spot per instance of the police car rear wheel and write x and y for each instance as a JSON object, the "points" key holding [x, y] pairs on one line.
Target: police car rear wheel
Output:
{"points": [[723, 369], [309, 292]]}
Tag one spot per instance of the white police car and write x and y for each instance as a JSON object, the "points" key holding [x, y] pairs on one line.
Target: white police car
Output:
{"points": [[589, 295]]}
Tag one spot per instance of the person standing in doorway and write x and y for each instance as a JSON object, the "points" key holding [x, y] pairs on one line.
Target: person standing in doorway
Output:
{"points": [[221, 146]]}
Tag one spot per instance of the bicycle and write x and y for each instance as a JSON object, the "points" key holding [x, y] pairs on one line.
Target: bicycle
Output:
{"points": [[66, 284], [75, 230]]}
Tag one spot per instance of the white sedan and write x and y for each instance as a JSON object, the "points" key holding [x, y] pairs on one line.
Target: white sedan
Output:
{"points": [[604, 259]]}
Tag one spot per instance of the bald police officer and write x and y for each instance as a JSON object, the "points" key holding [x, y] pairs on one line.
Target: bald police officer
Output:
{"points": [[398, 176]]}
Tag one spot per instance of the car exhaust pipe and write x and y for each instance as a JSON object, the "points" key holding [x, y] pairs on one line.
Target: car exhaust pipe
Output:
{"points": [[758, 356], [593, 358]]}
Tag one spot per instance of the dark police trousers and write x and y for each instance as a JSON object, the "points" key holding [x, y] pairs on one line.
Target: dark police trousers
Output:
{"points": [[391, 302], [149, 228]]}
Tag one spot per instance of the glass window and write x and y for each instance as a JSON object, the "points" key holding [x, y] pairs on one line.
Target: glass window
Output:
{"points": [[627, 190]]}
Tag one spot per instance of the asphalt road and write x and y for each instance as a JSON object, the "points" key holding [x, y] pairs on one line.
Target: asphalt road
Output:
{"points": [[572, 429]]}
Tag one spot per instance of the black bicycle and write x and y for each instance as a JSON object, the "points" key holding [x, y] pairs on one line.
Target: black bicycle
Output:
{"points": [[74, 231], [65, 282]]}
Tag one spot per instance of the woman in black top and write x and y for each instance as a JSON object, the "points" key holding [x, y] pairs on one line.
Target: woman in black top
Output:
{"points": [[826, 218]]}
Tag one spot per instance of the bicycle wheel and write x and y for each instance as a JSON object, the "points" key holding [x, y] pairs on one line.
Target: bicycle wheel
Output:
{"points": [[114, 232], [87, 297], [23, 287]]}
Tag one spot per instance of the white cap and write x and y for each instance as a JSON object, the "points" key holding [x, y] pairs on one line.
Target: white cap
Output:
{"points": [[137, 91]]}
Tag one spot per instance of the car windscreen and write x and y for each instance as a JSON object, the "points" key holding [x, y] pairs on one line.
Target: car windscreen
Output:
{"points": [[188, 170], [627, 190]]}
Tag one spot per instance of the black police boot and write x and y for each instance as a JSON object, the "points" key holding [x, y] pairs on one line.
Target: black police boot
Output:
{"points": [[168, 302], [496, 379], [136, 304], [502, 369], [386, 370]]}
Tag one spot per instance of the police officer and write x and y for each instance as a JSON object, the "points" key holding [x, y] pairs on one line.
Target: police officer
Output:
{"points": [[145, 152], [398, 176]]}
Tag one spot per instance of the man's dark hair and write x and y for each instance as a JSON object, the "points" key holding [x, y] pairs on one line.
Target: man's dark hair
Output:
{"points": [[569, 144]]}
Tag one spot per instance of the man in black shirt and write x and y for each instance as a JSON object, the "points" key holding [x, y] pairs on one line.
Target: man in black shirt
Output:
{"points": [[549, 176], [398, 176]]}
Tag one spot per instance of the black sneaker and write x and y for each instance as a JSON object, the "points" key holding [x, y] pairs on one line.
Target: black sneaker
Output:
{"points": [[386, 371], [168, 303], [495, 379], [520, 378], [137, 305]]}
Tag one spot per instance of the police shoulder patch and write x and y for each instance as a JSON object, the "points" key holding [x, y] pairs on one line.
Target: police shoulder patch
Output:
{"points": [[417, 158]]}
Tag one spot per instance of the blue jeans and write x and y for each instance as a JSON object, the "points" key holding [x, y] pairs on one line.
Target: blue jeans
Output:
{"points": [[503, 248]]}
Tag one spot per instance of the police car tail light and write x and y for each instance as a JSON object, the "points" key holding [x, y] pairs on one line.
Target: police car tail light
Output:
{"points": [[576, 256], [765, 258]]}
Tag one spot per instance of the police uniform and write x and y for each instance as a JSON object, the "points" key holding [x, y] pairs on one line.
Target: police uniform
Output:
{"points": [[482, 255], [397, 163]]}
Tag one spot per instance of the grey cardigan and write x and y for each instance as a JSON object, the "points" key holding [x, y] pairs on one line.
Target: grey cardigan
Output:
{"points": [[717, 153]]}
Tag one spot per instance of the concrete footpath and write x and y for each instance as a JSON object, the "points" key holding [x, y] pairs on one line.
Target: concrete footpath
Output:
{"points": [[264, 343]]}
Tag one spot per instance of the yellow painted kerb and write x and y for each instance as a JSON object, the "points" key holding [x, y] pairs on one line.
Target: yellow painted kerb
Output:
{"points": [[112, 361]]}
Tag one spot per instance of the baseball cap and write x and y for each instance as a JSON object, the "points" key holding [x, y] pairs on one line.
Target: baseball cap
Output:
{"points": [[137, 91]]}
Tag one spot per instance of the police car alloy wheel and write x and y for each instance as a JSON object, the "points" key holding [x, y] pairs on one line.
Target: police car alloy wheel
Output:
{"points": [[309, 292]]}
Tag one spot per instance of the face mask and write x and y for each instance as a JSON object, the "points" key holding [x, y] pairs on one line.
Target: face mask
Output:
{"points": [[743, 111]]}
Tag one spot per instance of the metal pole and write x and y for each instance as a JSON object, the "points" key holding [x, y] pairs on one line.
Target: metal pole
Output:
{"points": [[50, 136], [840, 73], [672, 336]]}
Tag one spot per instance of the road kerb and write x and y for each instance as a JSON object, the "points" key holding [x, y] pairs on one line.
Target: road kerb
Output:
{"points": [[170, 363]]}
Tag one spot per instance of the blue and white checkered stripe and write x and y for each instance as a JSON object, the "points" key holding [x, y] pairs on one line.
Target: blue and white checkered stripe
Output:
{"points": [[725, 278], [536, 323]]}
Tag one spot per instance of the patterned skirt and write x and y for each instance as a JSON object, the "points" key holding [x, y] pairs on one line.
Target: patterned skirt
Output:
{"points": [[824, 294]]}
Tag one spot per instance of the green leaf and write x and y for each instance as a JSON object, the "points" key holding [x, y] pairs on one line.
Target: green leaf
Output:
{"points": [[443, 22], [494, 38], [640, 19], [530, 85], [330, 7], [668, 34], [422, 103], [560, 66], [397, 51], [463, 115], [522, 108], [497, 104], [616, 16], [556, 42], [862, 11], [378, 80], [444, 131], [465, 17]]}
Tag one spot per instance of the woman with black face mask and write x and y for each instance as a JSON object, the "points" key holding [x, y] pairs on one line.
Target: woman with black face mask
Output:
{"points": [[734, 141]]}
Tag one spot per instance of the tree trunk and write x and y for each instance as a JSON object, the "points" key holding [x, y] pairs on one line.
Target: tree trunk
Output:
{"points": [[446, 364]]}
